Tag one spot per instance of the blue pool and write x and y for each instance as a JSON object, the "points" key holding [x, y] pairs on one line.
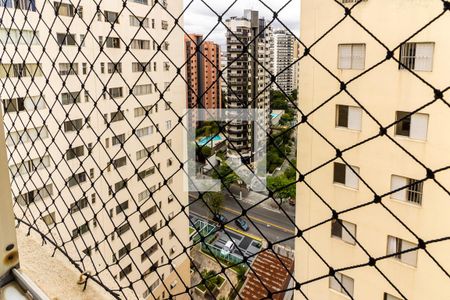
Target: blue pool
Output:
{"points": [[207, 139]]}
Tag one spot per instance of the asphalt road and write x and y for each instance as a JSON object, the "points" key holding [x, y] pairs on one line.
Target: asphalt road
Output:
{"points": [[270, 225]]}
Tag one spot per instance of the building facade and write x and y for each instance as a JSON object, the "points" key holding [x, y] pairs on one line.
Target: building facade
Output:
{"points": [[297, 55], [248, 79], [283, 51], [404, 205], [202, 73], [85, 126]]}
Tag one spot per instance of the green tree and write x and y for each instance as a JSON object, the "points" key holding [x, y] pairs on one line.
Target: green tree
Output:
{"points": [[282, 187], [225, 175], [214, 201]]}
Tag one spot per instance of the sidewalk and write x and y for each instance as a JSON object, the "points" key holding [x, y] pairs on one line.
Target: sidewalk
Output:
{"points": [[252, 198]]}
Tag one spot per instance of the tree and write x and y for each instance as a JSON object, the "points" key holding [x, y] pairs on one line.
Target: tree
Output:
{"points": [[283, 187], [225, 175], [214, 201]]}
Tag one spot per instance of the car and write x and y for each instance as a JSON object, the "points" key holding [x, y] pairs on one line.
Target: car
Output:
{"points": [[220, 218], [242, 224], [227, 248]]}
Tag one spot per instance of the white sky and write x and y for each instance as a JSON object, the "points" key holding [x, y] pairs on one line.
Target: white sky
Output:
{"points": [[199, 18]]}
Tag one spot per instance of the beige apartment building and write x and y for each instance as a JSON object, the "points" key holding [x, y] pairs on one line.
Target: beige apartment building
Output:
{"points": [[412, 209], [79, 140]]}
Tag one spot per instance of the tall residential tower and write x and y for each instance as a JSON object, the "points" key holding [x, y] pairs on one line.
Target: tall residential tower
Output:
{"points": [[85, 121], [250, 63], [388, 202], [283, 58]]}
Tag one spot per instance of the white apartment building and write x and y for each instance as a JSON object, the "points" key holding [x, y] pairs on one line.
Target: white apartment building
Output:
{"points": [[85, 124], [283, 59], [249, 78], [411, 209]]}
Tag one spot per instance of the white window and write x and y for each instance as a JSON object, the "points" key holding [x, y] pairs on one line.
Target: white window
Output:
{"points": [[343, 230], [411, 190], [143, 89], [397, 245], [342, 284], [49, 219], [343, 174], [141, 132], [390, 297], [168, 124], [140, 44], [417, 56], [136, 21], [351, 56], [68, 69], [413, 126], [349, 117]]}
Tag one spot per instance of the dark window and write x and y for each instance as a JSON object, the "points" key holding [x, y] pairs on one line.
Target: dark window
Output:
{"points": [[403, 127], [339, 173], [342, 116]]}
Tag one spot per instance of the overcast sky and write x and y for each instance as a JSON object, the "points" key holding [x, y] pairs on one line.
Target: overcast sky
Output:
{"points": [[199, 18]]}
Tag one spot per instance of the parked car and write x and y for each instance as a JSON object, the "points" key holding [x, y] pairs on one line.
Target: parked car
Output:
{"points": [[220, 218], [227, 248], [241, 223], [292, 201]]}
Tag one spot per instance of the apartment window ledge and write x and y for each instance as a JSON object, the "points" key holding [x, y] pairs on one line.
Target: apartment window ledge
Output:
{"points": [[344, 296], [398, 261], [54, 275], [343, 186], [407, 203], [345, 129], [405, 138]]}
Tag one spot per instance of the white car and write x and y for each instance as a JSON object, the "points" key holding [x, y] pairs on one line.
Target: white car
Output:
{"points": [[227, 248]]}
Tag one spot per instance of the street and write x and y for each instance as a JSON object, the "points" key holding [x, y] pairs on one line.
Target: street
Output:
{"points": [[271, 225]]}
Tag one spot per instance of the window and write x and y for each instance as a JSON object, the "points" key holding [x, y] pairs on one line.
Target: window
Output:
{"points": [[117, 116], [122, 229], [65, 39], [79, 205], [141, 111], [73, 125], [141, 67], [144, 174], [166, 66], [411, 190], [148, 233], [20, 70], [74, 152], [114, 68], [343, 230], [49, 219], [80, 230], [18, 37], [343, 174], [118, 139], [139, 21], [417, 56], [84, 68], [21, 104], [70, 98], [144, 89], [124, 251], [147, 213], [35, 195], [116, 92], [141, 154], [351, 56], [112, 42], [120, 162], [149, 252], [342, 284], [143, 195], [31, 165], [19, 4], [141, 132], [168, 124], [149, 291], [145, 2], [122, 207], [127, 270], [140, 44], [120, 185], [413, 126], [348, 117], [111, 17], [390, 297], [396, 246], [164, 25], [63, 9], [68, 69], [76, 179]]}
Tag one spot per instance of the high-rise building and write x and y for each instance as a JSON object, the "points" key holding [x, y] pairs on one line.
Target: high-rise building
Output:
{"points": [[202, 73], [224, 69], [283, 59], [297, 55], [389, 204], [83, 116], [249, 78]]}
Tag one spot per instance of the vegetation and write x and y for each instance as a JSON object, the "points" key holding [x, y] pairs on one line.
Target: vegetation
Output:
{"points": [[283, 186], [225, 175], [279, 149], [210, 281], [207, 128], [214, 201]]}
